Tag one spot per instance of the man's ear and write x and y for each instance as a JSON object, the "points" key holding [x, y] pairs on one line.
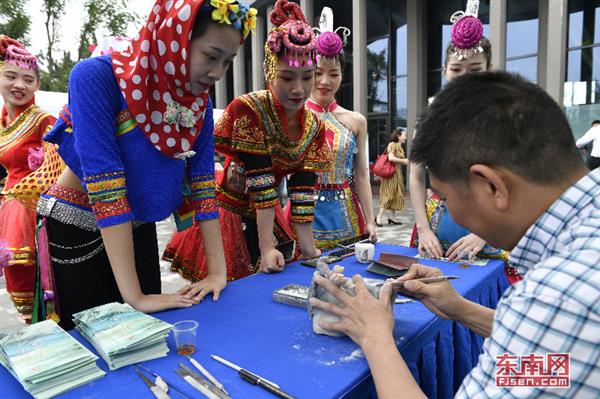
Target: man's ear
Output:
{"points": [[490, 183]]}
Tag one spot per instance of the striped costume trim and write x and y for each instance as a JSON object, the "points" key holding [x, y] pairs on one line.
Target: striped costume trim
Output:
{"points": [[202, 193], [125, 122], [108, 194], [302, 204], [21, 128], [261, 188]]}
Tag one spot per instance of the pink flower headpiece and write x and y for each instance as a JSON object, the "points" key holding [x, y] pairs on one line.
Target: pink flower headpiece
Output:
{"points": [[292, 34], [13, 52], [329, 42], [467, 31]]}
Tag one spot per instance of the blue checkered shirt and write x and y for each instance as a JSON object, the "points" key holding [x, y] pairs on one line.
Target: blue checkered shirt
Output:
{"points": [[556, 308]]}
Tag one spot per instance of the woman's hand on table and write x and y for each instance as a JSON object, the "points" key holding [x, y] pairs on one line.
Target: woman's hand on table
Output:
{"points": [[159, 302], [440, 298], [271, 260], [364, 318], [370, 228], [429, 244], [311, 253], [470, 243], [213, 282]]}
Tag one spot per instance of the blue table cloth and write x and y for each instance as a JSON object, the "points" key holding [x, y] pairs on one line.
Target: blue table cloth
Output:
{"points": [[276, 341]]}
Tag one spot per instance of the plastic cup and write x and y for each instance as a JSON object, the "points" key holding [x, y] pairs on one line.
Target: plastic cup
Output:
{"points": [[185, 336]]}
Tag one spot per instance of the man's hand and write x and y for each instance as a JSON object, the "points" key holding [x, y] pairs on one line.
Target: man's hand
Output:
{"points": [[440, 297], [364, 318]]}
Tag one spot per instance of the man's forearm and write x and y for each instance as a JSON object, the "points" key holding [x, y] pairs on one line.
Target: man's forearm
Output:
{"points": [[476, 318], [390, 373]]}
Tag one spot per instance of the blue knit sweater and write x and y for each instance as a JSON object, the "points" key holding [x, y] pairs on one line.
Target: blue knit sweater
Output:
{"points": [[125, 177]]}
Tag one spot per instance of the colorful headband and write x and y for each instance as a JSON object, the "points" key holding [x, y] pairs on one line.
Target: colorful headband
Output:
{"points": [[329, 42], [292, 35], [234, 13], [467, 31]]}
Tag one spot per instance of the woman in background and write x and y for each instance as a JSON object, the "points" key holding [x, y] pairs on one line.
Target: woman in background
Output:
{"points": [[342, 212], [391, 189], [435, 233], [23, 125]]}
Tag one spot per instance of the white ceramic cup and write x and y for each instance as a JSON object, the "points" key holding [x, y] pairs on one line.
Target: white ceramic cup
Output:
{"points": [[364, 252]]}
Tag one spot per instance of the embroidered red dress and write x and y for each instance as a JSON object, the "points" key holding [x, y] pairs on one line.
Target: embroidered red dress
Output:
{"points": [[187, 255], [252, 134], [17, 214]]}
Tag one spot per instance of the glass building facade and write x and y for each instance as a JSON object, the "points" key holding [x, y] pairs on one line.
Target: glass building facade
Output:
{"points": [[554, 43], [582, 89]]}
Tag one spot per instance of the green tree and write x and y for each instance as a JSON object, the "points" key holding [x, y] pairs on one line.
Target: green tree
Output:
{"points": [[57, 81], [111, 15], [13, 20], [53, 9]]}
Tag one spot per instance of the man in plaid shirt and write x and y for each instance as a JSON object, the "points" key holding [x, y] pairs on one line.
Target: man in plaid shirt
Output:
{"points": [[501, 153]]}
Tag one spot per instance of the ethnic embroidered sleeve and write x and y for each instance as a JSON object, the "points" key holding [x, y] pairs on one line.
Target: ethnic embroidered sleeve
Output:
{"points": [[301, 191], [201, 171], [94, 102], [260, 181]]}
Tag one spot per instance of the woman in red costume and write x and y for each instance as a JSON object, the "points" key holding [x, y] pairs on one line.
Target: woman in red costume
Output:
{"points": [[187, 254], [267, 136], [22, 154], [271, 135]]}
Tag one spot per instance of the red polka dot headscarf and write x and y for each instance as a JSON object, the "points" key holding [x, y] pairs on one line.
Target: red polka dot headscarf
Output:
{"points": [[154, 78]]}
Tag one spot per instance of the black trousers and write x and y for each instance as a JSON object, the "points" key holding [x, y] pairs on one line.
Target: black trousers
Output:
{"points": [[594, 162], [82, 273]]}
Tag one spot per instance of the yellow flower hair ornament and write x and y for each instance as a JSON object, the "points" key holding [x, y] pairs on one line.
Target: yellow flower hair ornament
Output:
{"points": [[234, 13]]}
